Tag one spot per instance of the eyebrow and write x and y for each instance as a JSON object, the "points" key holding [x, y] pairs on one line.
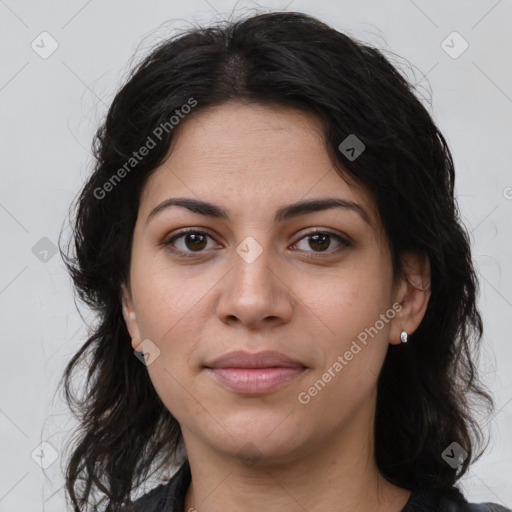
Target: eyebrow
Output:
{"points": [[286, 212]]}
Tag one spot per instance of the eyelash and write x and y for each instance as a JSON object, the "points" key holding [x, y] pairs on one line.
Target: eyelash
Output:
{"points": [[183, 254]]}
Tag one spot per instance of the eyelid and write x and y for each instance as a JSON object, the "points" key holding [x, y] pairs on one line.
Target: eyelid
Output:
{"points": [[169, 240], [344, 241]]}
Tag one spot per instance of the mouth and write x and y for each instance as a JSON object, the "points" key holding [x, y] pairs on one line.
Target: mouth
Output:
{"points": [[255, 381], [256, 373]]}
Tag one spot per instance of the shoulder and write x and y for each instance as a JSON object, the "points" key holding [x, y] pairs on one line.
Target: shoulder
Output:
{"points": [[449, 499], [151, 501], [166, 495], [485, 507]]}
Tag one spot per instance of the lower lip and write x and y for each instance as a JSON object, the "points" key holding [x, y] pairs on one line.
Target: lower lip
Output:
{"points": [[254, 381]]}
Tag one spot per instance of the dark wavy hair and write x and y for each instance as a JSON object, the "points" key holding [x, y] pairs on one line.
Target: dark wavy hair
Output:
{"points": [[428, 389]]}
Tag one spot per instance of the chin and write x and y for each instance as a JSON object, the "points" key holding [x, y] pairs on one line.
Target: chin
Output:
{"points": [[253, 444]]}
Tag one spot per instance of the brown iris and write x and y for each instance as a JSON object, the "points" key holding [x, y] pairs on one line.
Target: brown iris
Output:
{"points": [[319, 239], [198, 241]]}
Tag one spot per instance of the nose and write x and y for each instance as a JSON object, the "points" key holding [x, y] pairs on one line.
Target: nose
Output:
{"points": [[255, 293]]}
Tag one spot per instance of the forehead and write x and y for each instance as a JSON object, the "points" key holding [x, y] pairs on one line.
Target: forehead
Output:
{"points": [[249, 155]]}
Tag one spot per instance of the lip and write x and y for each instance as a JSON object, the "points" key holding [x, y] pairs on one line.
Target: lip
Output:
{"points": [[255, 381], [264, 359], [254, 373]]}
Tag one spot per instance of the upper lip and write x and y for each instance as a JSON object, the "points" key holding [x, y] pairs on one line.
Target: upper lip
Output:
{"points": [[241, 359]]}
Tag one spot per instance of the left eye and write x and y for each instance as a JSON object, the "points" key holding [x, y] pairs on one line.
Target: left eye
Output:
{"points": [[196, 241], [320, 241]]}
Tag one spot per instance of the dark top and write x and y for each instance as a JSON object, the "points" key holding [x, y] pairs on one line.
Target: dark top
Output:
{"points": [[170, 497]]}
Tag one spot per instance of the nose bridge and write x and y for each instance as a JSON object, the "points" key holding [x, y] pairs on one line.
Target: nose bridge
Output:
{"points": [[253, 291], [252, 277]]}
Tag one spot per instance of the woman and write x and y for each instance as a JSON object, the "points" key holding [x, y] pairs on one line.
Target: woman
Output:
{"points": [[285, 292]]}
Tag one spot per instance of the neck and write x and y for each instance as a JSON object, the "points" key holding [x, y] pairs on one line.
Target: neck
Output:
{"points": [[335, 475]]}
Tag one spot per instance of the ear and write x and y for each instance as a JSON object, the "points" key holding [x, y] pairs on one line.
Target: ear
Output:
{"points": [[130, 317], [412, 292]]}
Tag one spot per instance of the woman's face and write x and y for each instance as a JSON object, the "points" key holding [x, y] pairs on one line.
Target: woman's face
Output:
{"points": [[257, 279]]}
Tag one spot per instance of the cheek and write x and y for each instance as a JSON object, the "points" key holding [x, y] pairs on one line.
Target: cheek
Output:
{"points": [[350, 305], [171, 313], [350, 300], [164, 299], [166, 306], [352, 352]]}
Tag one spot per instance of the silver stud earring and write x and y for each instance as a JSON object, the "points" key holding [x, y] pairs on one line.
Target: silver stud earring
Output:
{"points": [[403, 337]]}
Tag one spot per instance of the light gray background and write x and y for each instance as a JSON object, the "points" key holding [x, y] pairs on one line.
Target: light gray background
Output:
{"points": [[51, 107]]}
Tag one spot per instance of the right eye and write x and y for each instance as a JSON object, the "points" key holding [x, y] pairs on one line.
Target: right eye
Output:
{"points": [[191, 241]]}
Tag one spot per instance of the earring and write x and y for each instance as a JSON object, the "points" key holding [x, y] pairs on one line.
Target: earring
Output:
{"points": [[403, 337]]}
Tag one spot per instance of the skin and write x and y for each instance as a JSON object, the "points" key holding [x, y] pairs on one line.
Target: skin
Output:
{"points": [[294, 298]]}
